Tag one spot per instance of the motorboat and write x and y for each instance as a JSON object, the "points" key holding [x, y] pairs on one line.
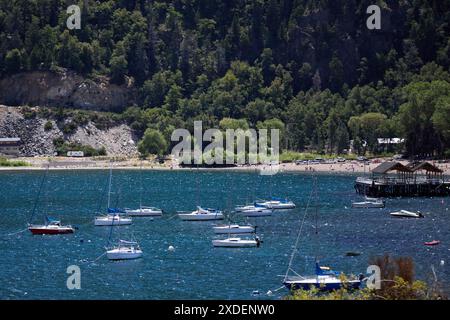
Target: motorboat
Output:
{"points": [[202, 214], [369, 204], [406, 214], [144, 212], [277, 203], [125, 250], [112, 220], [50, 227], [325, 279], [233, 229], [237, 243]]}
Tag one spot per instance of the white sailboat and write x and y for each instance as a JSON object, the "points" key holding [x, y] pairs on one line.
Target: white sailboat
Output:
{"points": [[237, 242], [202, 214], [143, 211], [369, 204], [406, 214], [52, 226], [124, 250], [277, 203], [233, 229], [112, 220], [114, 217], [256, 211]]}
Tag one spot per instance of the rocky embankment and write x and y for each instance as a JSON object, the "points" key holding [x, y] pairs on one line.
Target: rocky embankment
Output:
{"points": [[37, 141], [64, 89]]}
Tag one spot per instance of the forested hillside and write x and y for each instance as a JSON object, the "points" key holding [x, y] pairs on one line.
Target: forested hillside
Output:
{"points": [[309, 67]]}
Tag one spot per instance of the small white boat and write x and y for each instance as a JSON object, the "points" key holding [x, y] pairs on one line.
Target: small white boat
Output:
{"points": [[202, 214], [242, 208], [237, 243], [277, 203], [144, 212], [406, 214], [256, 212], [125, 250], [369, 204], [112, 220], [233, 228]]}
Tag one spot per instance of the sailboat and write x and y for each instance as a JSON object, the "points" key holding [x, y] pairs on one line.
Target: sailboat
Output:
{"points": [[143, 211], [114, 216], [255, 210], [235, 242], [277, 203], [324, 279], [233, 228], [406, 214], [202, 214], [124, 250], [51, 225]]}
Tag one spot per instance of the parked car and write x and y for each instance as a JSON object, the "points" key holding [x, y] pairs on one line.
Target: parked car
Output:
{"points": [[361, 158]]}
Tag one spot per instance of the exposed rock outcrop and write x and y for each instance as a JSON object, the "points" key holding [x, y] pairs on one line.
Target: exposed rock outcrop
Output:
{"points": [[64, 89], [36, 141]]}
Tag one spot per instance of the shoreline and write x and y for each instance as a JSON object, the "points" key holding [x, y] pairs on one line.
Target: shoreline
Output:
{"points": [[64, 164]]}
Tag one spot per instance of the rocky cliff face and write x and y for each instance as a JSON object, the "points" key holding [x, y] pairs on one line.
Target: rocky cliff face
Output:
{"points": [[64, 89], [36, 141]]}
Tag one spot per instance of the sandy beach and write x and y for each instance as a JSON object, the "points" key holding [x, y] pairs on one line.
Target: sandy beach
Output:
{"points": [[64, 163]]}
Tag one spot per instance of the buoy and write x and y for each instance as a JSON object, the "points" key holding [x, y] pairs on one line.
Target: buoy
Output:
{"points": [[171, 248], [442, 263]]}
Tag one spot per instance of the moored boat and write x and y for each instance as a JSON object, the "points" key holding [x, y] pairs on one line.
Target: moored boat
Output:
{"points": [[237, 243], [125, 250], [233, 229], [112, 220], [432, 243], [202, 214], [144, 212], [51, 227], [369, 204], [325, 279], [256, 211], [277, 203], [406, 214]]}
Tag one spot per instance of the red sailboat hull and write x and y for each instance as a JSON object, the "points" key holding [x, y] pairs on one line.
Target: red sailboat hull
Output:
{"points": [[42, 231], [432, 243]]}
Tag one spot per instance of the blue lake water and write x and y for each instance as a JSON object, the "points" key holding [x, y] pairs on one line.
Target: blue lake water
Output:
{"points": [[34, 267]]}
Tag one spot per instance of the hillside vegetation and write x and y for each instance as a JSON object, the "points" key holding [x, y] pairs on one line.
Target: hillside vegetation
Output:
{"points": [[311, 68]]}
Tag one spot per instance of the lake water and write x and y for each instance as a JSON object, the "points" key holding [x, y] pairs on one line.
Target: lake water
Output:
{"points": [[34, 267]]}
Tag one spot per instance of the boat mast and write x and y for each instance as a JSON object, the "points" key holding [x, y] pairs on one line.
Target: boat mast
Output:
{"points": [[39, 193], [109, 187], [142, 187], [297, 240]]}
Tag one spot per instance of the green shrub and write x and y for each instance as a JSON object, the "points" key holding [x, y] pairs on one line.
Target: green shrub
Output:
{"points": [[12, 163], [48, 126]]}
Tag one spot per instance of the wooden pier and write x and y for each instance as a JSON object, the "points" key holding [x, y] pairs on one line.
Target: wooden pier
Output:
{"points": [[392, 179]]}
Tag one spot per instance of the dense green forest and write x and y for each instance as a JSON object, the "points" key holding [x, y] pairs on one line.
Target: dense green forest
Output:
{"points": [[309, 67]]}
